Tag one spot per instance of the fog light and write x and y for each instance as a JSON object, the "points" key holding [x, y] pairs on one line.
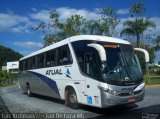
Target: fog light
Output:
{"points": [[108, 101]]}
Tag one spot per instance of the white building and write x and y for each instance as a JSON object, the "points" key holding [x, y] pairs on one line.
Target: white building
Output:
{"points": [[13, 67]]}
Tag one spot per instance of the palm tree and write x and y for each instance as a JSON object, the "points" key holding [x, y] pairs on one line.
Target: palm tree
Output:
{"points": [[93, 27], [137, 28]]}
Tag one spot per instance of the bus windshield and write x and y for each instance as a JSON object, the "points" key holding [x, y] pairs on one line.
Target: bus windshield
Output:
{"points": [[122, 66]]}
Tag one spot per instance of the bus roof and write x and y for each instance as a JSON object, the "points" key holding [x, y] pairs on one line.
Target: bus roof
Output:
{"points": [[78, 38]]}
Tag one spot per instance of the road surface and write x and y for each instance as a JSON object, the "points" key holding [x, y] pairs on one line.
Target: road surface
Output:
{"points": [[13, 101]]}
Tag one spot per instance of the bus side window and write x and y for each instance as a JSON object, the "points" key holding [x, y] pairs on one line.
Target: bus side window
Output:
{"points": [[64, 56], [90, 66], [81, 62], [40, 61], [48, 55], [53, 58], [26, 64], [50, 58], [33, 62], [21, 65]]}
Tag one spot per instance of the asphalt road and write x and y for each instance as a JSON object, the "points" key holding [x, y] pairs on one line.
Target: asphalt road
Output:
{"points": [[13, 100]]}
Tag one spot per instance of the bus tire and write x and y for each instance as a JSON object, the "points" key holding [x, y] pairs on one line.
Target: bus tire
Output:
{"points": [[29, 93], [71, 99]]}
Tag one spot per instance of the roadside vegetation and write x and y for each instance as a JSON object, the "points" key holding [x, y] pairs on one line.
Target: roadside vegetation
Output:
{"points": [[154, 76], [8, 55], [7, 79]]}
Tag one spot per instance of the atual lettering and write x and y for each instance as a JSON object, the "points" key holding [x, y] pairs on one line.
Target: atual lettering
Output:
{"points": [[54, 72]]}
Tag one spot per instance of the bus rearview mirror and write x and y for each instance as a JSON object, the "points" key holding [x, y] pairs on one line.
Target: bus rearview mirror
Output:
{"points": [[100, 49], [146, 54]]}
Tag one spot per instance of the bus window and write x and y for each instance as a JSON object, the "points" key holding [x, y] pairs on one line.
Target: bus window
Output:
{"points": [[21, 65], [40, 61], [64, 55], [53, 57], [50, 58], [26, 64], [90, 66], [33, 62], [80, 59]]}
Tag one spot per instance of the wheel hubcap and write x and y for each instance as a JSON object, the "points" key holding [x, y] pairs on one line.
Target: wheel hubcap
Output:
{"points": [[73, 98]]}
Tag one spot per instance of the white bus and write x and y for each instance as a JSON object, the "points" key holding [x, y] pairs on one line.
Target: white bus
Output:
{"points": [[92, 70]]}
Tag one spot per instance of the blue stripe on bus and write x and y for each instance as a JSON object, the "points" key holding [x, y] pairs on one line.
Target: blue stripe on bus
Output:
{"points": [[51, 83]]}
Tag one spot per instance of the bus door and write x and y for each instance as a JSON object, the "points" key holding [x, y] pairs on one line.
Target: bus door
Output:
{"points": [[91, 71]]}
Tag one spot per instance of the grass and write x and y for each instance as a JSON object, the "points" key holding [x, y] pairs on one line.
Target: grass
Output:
{"points": [[154, 79]]}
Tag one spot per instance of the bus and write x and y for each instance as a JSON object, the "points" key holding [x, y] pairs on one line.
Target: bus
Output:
{"points": [[93, 70]]}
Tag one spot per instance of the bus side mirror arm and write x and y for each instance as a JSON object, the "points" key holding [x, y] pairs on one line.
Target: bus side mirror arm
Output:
{"points": [[146, 54], [100, 49]]}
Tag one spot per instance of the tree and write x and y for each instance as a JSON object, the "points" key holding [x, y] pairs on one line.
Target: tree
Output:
{"points": [[57, 30], [109, 21], [137, 10], [74, 25], [142, 57], [53, 38], [7, 55], [54, 21], [93, 27], [139, 25]]}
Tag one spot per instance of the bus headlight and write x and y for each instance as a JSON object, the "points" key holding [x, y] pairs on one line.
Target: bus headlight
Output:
{"points": [[112, 92], [107, 90]]}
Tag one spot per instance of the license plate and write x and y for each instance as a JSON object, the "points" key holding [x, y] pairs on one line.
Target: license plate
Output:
{"points": [[131, 99]]}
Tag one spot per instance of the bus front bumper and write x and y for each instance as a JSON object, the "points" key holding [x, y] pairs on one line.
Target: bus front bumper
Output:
{"points": [[109, 100]]}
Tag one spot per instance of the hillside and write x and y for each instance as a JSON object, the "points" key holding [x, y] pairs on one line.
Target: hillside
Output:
{"points": [[7, 55]]}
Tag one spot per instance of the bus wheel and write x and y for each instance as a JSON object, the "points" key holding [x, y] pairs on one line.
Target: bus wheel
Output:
{"points": [[29, 93], [72, 99]]}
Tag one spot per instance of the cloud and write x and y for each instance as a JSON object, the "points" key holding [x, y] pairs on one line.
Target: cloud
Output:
{"points": [[28, 44], [34, 9], [14, 23], [42, 15], [27, 52], [20, 29], [122, 11], [66, 12], [156, 20], [6, 21]]}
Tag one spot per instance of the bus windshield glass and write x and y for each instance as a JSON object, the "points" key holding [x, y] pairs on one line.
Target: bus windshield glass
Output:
{"points": [[122, 66]]}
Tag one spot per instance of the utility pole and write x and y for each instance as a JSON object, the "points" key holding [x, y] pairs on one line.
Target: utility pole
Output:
{"points": [[35, 36]]}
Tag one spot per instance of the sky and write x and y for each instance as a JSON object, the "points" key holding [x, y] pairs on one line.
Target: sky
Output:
{"points": [[19, 17]]}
